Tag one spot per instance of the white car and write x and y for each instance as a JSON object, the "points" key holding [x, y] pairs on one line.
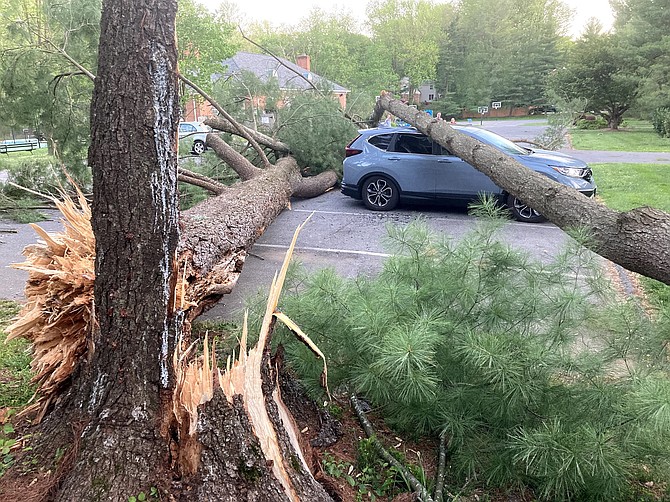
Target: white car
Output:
{"points": [[196, 132]]}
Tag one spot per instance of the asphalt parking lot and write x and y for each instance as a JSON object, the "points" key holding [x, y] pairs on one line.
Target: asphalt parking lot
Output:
{"points": [[344, 235], [341, 233]]}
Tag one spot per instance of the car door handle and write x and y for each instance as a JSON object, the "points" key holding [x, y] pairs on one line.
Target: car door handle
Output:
{"points": [[393, 158], [444, 161]]}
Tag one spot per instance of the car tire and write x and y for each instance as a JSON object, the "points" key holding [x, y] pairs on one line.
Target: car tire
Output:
{"points": [[522, 211], [198, 147], [380, 193]]}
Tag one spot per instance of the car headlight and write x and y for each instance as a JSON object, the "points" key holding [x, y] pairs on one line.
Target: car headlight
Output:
{"points": [[573, 172]]}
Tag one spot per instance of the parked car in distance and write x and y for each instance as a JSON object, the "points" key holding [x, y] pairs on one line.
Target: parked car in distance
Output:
{"points": [[386, 165], [195, 132]]}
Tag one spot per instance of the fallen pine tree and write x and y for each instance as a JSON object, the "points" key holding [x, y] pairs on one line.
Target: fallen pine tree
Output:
{"points": [[638, 240]]}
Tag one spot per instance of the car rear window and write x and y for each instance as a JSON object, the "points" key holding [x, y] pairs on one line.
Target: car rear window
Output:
{"points": [[381, 141]]}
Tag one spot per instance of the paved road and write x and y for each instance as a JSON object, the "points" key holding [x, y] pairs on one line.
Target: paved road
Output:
{"points": [[531, 128]]}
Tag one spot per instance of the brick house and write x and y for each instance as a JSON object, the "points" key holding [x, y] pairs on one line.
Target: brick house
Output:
{"points": [[291, 78]]}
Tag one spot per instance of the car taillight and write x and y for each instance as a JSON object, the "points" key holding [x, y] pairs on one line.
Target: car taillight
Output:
{"points": [[350, 152]]}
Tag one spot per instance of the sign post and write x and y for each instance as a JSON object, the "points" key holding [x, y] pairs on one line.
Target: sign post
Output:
{"points": [[482, 111]]}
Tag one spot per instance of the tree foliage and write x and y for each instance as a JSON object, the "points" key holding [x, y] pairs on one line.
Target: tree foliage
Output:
{"points": [[410, 31], [502, 51], [204, 41], [41, 89], [537, 375], [601, 70], [642, 27]]}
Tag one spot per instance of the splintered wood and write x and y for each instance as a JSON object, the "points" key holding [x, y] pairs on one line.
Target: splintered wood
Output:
{"points": [[58, 316], [242, 376]]}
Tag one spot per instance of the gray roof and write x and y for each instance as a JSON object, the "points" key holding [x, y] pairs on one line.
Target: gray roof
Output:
{"points": [[266, 67]]}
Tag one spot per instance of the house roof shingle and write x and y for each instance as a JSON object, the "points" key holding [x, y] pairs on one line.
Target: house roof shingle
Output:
{"points": [[266, 67]]}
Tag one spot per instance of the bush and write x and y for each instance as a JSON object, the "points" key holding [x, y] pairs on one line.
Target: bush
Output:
{"points": [[42, 175], [591, 123], [536, 374], [661, 121]]}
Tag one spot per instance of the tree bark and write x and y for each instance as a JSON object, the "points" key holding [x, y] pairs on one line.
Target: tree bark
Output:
{"points": [[134, 117], [119, 423], [638, 240]]}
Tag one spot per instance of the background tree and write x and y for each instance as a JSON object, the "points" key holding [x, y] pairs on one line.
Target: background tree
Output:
{"points": [[41, 87], [502, 51], [601, 70], [50, 50], [205, 40], [410, 31], [641, 27]]}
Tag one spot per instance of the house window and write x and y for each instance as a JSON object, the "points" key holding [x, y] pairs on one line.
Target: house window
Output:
{"points": [[431, 97]]}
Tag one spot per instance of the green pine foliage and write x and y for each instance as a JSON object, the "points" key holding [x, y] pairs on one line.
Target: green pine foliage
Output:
{"points": [[537, 373]]}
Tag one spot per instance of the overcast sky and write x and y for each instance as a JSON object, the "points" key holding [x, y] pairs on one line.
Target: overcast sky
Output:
{"points": [[279, 12]]}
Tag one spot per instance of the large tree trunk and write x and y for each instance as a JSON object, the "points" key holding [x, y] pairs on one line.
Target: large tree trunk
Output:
{"points": [[638, 240], [134, 116], [132, 419]]}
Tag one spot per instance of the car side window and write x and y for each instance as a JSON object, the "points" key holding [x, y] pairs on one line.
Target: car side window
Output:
{"points": [[413, 143], [381, 141], [442, 150]]}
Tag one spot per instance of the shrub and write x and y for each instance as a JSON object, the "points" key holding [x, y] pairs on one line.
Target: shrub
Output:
{"points": [[537, 375], [661, 121], [594, 123]]}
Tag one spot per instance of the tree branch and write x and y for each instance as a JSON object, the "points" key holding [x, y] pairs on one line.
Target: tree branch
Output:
{"points": [[72, 61], [441, 468], [244, 169], [200, 181], [263, 139], [416, 485], [241, 130]]}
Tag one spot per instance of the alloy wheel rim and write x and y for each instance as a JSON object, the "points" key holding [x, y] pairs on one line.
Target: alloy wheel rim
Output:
{"points": [[379, 193], [524, 210]]}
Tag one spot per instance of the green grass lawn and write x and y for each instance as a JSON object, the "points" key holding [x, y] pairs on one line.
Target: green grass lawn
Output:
{"points": [[625, 186], [9, 161], [15, 386], [634, 136]]}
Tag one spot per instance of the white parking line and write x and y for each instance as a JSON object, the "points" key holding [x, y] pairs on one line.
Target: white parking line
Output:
{"points": [[419, 214], [324, 250]]}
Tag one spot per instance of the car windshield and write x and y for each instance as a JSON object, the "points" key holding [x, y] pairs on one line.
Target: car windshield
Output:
{"points": [[499, 142]]}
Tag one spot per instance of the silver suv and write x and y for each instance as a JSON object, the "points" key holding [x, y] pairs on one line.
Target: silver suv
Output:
{"points": [[196, 132], [387, 165]]}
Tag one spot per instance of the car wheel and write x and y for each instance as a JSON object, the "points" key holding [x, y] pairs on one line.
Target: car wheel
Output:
{"points": [[522, 211], [198, 147], [380, 193]]}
